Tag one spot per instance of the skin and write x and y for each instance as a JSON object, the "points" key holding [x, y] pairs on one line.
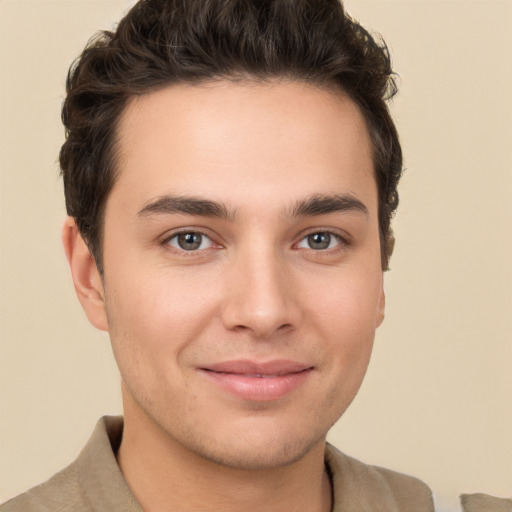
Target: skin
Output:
{"points": [[255, 289]]}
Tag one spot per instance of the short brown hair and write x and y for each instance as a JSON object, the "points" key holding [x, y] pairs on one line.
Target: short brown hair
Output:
{"points": [[163, 42]]}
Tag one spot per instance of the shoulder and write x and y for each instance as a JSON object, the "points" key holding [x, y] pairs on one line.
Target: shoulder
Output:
{"points": [[92, 482], [359, 486], [485, 503], [58, 494]]}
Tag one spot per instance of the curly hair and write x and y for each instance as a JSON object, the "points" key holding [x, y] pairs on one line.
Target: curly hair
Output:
{"points": [[164, 42]]}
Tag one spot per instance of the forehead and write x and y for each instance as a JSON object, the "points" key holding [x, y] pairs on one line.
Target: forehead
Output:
{"points": [[243, 142]]}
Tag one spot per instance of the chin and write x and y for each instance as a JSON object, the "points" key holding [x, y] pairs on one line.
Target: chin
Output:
{"points": [[257, 459], [256, 449]]}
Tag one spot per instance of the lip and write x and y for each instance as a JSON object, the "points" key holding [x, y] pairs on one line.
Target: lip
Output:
{"points": [[258, 381]]}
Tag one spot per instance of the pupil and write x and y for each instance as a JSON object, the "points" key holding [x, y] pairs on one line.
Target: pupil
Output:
{"points": [[319, 240], [189, 241]]}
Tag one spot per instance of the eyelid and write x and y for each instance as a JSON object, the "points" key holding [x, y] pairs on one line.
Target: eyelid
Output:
{"points": [[175, 233], [342, 236]]}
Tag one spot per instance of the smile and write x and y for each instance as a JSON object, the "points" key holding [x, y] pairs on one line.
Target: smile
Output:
{"points": [[258, 381]]}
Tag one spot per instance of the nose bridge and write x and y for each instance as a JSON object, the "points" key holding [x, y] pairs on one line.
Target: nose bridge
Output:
{"points": [[260, 297]]}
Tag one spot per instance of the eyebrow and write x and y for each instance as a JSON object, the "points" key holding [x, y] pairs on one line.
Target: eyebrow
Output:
{"points": [[187, 205], [309, 207], [325, 204]]}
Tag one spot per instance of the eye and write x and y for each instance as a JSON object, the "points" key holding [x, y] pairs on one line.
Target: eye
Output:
{"points": [[190, 241], [320, 241]]}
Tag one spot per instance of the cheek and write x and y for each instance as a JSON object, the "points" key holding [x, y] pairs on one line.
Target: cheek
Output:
{"points": [[346, 302], [346, 313], [155, 315]]}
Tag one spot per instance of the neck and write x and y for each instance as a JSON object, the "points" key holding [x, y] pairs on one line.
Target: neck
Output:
{"points": [[163, 475]]}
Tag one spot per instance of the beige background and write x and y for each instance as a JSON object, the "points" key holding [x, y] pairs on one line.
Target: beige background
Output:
{"points": [[437, 399]]}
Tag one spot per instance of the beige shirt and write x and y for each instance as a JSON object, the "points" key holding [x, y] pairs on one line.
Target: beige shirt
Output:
{"points": [[94, 482]]}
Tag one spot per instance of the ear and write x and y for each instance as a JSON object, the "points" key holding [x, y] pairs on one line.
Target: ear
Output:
{"points": [[86, 278], [381, 307]]}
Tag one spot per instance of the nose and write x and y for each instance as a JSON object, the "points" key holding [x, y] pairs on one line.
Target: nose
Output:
{"points": [[261, 299]]}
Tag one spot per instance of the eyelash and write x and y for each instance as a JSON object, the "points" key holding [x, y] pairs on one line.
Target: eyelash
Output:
{"points": [[343, 242], [166, 242]]}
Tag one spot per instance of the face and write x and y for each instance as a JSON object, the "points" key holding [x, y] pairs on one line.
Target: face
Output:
{"points": [[242, 276]]}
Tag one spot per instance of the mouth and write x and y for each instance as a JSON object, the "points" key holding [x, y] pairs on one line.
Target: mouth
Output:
{"points": [[258, 381]]}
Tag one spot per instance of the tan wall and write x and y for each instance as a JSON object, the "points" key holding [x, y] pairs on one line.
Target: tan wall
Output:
{"points": [[437, 399]]}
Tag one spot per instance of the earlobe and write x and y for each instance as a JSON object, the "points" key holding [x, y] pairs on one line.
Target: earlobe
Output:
{"points": [[86, 277]]}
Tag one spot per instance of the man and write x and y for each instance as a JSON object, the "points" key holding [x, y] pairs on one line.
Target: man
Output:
{"points": [[230, 171]]}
